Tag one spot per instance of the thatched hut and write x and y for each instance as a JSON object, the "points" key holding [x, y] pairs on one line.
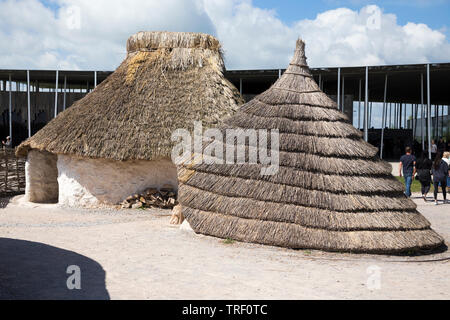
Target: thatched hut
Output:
{"points": [[331, 191], [116, 141]]}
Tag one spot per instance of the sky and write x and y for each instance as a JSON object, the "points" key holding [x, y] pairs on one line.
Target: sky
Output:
{"points": [[85, 34]]}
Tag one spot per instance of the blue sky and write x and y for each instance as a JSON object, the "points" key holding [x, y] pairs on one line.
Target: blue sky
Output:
{"points": [[434, 13], [258, 34]]}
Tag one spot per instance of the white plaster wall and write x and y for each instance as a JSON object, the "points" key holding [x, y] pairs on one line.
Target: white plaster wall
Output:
{"points": [[41, 175], [88, 182]]}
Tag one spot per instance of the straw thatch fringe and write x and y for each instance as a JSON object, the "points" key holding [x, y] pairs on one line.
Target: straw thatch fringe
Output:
{"points": [[277, 96], [296, 84], [295, 236], [335, 129], [326, 146], [144, 40], [308, 143], [305, 216], [174, 59], [268, 191], [292, 112], [341, 184], [332, 164], [133, 113], [329, 165]]}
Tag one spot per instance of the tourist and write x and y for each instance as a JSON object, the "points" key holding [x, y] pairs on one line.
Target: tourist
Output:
{"points": [[7, 143], [433, 150], [423, 167], [441, 146], [440, 174], [408, 164], [446, 158]]}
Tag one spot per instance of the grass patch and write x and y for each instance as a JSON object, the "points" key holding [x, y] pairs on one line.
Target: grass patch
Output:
{"points": [[415, 186], [228, 241]]}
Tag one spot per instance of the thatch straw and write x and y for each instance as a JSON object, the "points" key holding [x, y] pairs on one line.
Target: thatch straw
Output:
{"points": [[168, 81], [331, 191]]}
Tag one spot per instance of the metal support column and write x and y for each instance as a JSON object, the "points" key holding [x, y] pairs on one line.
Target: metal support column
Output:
{"points": [[64, 94], [56, 93], [240, 85], [10, 109], [415, 117], [429, 110], [343, 94], [359, 106], [422, 120], [95, 79], [436, 126], [383, 117], [338, 99], [366, 107], [28, 104]]}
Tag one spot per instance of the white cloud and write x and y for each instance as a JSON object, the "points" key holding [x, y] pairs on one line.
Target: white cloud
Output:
{"points": [[85, 34]]}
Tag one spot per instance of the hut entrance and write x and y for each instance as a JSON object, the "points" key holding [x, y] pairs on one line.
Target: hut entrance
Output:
{"points": [[41, 177]]}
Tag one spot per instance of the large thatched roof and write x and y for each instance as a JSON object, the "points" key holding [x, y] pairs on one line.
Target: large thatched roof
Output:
{"points": [[167, 81], [331, 192]]}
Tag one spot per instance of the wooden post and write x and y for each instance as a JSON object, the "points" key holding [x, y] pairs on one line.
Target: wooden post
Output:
{"points": [[10, 110], [18, 175]]}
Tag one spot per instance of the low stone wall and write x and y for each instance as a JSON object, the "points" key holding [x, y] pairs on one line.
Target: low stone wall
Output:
{"points": [[93, 182], [41, 177]]}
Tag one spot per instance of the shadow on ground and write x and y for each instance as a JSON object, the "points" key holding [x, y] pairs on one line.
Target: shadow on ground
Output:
{"points": [[31, 270]]}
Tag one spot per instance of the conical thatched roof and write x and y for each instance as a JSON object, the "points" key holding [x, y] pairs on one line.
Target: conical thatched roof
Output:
{"points": [[167, 81], [331, 191]]}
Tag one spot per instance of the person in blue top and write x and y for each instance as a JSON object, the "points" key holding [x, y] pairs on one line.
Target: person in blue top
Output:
{"points": [[408, 168], [440, 174]]}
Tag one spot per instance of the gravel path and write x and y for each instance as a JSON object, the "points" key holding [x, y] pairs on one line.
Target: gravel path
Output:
{"points": [[135, 254]]}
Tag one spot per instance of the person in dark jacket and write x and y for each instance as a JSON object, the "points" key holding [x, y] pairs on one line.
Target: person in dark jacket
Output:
{"points": [[440, 174], [423, 168], [441, 146], [408, 168]]}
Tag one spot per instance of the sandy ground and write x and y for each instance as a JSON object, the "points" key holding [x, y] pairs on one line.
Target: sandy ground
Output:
{"points": [[136, 254]]}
